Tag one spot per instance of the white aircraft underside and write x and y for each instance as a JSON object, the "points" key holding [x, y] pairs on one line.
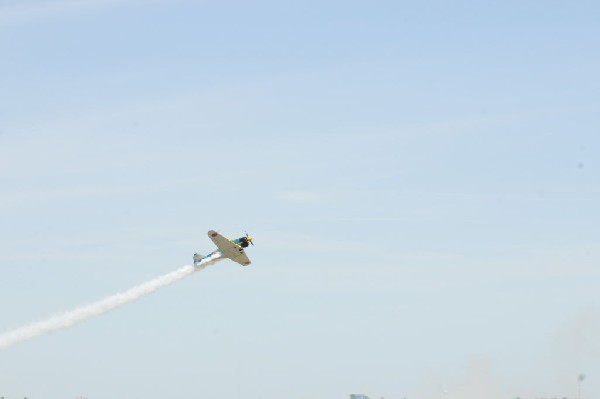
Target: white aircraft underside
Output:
{"points": [[232, 249]]}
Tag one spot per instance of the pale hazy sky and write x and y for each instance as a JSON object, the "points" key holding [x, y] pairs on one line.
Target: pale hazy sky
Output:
{"points": [[421, 179]]}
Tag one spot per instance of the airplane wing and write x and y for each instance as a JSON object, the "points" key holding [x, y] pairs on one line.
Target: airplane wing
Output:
{"points": [[229, 249]]}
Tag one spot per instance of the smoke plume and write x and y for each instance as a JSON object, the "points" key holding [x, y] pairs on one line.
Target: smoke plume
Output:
{"points": [[82, 313]]}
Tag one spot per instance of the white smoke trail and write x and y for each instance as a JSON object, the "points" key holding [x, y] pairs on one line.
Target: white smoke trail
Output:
{"points": [[82, 313]]}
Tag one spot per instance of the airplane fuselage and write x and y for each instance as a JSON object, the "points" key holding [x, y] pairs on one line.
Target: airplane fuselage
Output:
{"points": [[240, 243]]}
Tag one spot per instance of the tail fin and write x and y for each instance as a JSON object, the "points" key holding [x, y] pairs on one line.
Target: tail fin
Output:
{"points": [[198, 258]]}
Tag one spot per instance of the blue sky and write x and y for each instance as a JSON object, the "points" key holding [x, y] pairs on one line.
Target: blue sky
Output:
{"points": [[421, 181]]}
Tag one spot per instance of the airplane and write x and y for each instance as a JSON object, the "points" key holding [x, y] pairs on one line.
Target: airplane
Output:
{"points": [[232, 249]]}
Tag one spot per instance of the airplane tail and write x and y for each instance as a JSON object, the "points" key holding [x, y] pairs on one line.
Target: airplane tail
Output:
{"points": [[197, 258]]}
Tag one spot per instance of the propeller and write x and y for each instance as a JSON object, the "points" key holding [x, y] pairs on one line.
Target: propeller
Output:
{"points": [[249, 239]]}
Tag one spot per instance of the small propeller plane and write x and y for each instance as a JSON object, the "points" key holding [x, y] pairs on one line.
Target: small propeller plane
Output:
{"points": [[232, 249]]}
